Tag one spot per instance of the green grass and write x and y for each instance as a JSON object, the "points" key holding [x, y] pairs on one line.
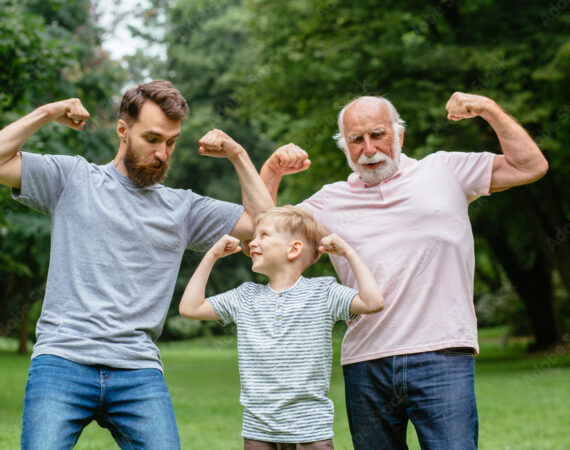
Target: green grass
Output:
{"points": [[523, 400]]}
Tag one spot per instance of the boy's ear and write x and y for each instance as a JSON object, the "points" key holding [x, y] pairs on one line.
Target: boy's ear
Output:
{"points": [[295, 250]]}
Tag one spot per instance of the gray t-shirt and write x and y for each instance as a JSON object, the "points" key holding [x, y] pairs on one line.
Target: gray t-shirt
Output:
{"points": [[285, 355], [116, 250]]}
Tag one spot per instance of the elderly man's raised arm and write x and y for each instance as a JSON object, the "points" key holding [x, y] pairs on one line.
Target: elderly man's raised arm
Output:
{"points": [[522, 162], [70, 113], [286, 160]]}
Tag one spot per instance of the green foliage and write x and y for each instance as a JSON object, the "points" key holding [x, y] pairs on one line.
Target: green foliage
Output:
{"points": [[50, 51]]}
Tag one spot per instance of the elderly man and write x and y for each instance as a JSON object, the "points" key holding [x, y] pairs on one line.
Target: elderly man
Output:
{"points": [[408, 221], [118, 237]]}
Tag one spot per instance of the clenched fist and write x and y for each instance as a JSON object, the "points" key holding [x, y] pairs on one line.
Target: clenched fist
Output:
{"points": [[465, 106]]}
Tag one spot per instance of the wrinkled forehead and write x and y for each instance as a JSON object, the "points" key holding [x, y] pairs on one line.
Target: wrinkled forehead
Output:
{"points": [[366, 113]]}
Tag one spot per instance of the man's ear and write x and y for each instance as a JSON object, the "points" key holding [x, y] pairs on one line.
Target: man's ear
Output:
{"points": [[122, 130], [402, 138], [295, 250]]}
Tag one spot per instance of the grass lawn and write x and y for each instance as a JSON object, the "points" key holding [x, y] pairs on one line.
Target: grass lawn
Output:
{"points": [[523, 400]]}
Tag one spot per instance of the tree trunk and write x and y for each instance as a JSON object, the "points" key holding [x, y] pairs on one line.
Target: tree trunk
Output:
{"points": [[534, 286], [549, 222]]}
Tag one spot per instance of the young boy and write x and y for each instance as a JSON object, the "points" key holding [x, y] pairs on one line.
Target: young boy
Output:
{"points": [[284, 327]]}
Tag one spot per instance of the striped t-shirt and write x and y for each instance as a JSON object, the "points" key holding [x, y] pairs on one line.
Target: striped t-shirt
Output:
{"points": [[285, 355]]}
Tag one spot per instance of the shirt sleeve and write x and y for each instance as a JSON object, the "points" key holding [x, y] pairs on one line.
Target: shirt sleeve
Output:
{"points": [[43, 180], [339, 299], [472, 171], [313, 204], [209, 220], [228, 304]]}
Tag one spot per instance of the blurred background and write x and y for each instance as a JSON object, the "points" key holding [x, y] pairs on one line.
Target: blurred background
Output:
{"points": [[273, 72]]}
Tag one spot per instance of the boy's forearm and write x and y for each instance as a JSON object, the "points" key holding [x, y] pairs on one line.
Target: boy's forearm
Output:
{"points": [[367, 287], [195, 293]]}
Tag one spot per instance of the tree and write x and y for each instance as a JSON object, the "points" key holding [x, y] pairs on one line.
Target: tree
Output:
{"points": [[51, 50]]}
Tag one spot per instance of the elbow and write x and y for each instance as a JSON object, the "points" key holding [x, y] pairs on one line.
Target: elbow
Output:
{"points": [[542, 168], [379, 307], [185, 311], [376, 306], [539, 168]]}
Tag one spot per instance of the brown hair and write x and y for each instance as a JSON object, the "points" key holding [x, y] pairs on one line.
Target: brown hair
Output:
{"points": [[297, 221], [161, 92]]}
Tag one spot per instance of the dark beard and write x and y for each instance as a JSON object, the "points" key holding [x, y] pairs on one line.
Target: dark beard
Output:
{"points": [[141, 173]]}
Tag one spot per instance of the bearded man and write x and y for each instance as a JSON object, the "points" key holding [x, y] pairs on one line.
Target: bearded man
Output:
{"points": [[408, 221], [118, 237]]}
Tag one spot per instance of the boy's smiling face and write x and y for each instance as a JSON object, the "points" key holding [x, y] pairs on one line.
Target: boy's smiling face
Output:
{"points": [[269, 248]]}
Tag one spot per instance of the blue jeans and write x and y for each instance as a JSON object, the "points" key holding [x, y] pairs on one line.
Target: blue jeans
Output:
{"points": [[63, 397], [435, 390]]}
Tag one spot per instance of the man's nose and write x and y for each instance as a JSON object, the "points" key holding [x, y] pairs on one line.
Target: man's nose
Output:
{"points": [[161, 152], [369, 148]]}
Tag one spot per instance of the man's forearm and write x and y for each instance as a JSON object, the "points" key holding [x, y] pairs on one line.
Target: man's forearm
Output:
{"points": [[271, 180], [255, 196]]}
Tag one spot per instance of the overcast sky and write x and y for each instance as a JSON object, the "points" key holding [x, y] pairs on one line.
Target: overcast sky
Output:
{"points": [[120, 43]]}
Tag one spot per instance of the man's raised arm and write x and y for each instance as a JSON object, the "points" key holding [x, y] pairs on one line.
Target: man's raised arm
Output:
{"points": [[522, 162], [69, 112], [254, 195]]}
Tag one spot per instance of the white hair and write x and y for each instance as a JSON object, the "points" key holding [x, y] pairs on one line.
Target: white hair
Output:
{"points": [[398, 125]]}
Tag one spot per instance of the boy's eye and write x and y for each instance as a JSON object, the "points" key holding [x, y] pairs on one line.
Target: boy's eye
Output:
{"points": [[152, 140]]}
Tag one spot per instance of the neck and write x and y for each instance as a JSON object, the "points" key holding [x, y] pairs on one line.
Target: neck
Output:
{"points": [[119, 161], [284, 279]]}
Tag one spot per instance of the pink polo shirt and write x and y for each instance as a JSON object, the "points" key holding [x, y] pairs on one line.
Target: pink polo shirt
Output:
{"points": [[413, 232]]}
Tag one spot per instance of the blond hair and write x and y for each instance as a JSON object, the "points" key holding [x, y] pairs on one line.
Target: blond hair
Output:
{"points": [[298, 222]]}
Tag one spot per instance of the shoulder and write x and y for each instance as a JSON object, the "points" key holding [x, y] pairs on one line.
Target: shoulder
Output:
{"points": [[317, 283], [68, 160], [249, 289], [326, 193], [455, 158]]}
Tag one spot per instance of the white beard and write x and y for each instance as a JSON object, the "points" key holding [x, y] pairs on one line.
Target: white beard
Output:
{"points": [[383, 172]]}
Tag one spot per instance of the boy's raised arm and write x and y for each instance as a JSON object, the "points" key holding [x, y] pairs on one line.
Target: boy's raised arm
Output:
{"points": [[369, 298], [194, 303]]}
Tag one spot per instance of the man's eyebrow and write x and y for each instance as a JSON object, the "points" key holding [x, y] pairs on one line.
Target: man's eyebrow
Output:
{"points": [[158, 134]]}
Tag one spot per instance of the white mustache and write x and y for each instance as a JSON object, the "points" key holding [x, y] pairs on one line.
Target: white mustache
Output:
{"points": [[375, 158]]}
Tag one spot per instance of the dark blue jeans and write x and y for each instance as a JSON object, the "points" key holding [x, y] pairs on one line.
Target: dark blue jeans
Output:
{"points": [[435, 390], [63, 397]]}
